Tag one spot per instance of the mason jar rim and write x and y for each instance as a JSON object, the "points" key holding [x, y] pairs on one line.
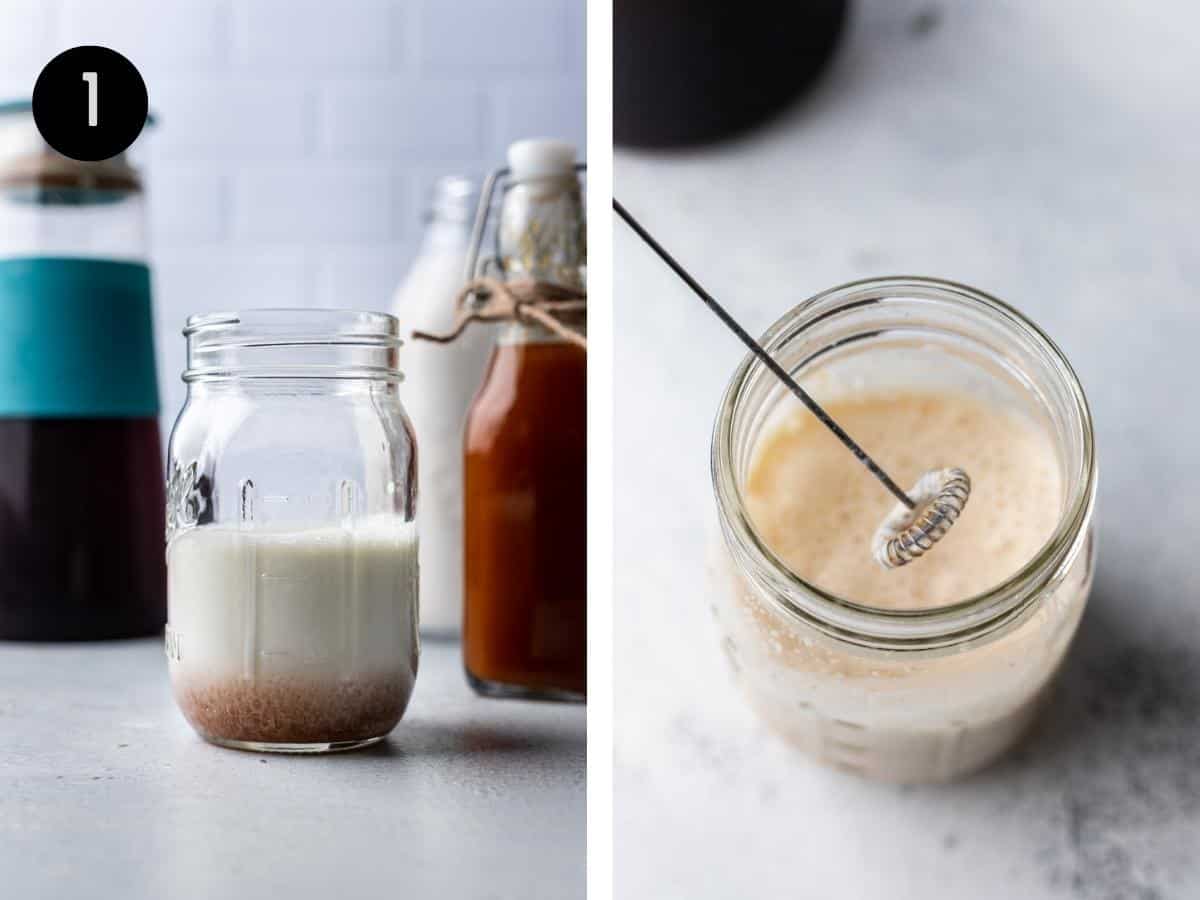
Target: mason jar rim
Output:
{"points": [[856, 623], [285, 321], [292, 342]]}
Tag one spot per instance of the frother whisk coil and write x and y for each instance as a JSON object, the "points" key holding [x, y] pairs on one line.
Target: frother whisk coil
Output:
{"points": [[907, 533]]}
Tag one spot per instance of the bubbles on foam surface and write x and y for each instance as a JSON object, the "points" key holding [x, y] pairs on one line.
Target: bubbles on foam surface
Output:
{"points": [[816, 506]]}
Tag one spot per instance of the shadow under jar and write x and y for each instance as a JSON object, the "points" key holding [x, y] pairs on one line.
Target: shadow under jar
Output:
{"points": [[916, 683], [291, 532]]}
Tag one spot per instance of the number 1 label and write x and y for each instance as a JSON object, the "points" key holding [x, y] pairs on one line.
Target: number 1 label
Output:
{"points": [[92, 80]]}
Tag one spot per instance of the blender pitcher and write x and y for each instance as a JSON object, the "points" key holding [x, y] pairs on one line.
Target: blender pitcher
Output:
{"points": [[81, 484]]}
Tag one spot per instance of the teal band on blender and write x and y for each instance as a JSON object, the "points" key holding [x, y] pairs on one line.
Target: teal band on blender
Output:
{"points": [[76, 339]]}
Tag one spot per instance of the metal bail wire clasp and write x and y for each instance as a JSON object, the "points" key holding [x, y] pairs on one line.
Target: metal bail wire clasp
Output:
{"points": [[477, 266]]}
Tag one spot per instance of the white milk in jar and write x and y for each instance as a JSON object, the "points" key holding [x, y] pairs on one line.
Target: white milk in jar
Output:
{"points": [[293, 635]]}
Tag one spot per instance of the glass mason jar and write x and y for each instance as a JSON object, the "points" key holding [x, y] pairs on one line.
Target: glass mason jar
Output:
{"points": [[291, 531], [903, 695]]}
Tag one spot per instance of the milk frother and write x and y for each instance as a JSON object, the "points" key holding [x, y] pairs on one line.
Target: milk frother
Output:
{"points": [[923, 515]]}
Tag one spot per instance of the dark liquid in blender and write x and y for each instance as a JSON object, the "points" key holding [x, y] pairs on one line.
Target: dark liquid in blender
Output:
{"points": [[81, 529]]}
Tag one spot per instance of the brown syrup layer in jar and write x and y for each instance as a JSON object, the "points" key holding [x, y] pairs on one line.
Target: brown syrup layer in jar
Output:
{"points": [[525, 625], [81, 529], [294, 710]]}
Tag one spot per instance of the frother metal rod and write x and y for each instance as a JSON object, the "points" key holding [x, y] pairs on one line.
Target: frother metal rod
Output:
{"points": [[758, 350]]}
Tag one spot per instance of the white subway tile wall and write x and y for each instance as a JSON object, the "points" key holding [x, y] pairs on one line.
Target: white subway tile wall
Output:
{"points": [[298, 139]]}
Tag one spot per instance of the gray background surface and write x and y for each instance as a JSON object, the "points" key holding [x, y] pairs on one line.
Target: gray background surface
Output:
{"points": [[106, 792], [1047, 153]]}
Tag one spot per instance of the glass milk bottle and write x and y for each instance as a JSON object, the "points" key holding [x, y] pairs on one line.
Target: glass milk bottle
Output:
{"points": [[81, 495], [525, 626], [440, 382]]}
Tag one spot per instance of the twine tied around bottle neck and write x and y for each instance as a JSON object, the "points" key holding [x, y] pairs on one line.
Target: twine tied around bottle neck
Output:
{"points": [[522, 300]]}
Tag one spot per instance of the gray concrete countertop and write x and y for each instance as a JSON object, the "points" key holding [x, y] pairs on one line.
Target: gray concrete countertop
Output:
{"points": [[106, 792], [1046, 153]]}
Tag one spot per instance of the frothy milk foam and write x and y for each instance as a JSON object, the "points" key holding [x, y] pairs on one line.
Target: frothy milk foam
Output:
{"points": [[895, 715], [293, 633], [817, 507]]}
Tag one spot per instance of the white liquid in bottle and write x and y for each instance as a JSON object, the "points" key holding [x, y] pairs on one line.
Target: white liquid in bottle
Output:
{"points": [[440, 382]]}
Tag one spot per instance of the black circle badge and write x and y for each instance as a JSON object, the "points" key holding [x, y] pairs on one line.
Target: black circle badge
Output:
{"points": [[90, 103]]}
